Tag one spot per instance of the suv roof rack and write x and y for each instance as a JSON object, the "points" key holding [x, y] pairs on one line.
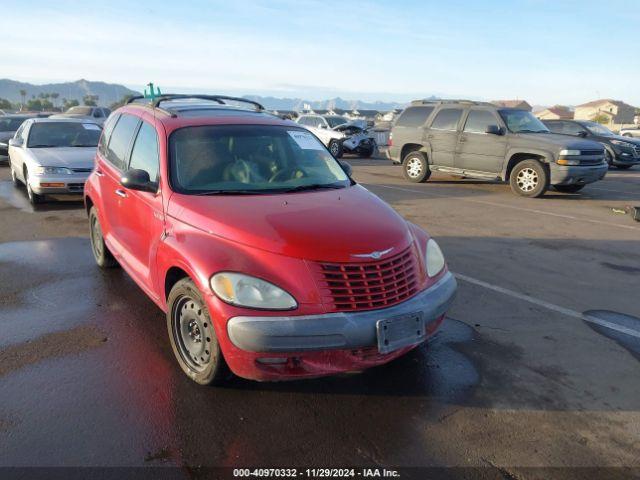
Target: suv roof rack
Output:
{"points": [[219, 99], [446, 101]]}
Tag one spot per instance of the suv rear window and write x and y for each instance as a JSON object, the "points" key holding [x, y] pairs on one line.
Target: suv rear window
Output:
{"points": [[447, 119], [414, 117]]}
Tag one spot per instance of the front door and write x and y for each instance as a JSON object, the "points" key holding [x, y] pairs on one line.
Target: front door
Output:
{"points": [[443, 136], [142, 216], [477, 150]]}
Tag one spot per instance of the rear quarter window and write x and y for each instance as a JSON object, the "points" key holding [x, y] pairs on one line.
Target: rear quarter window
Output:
{"points": [[120, 140], [106, 134], [414, 117]]}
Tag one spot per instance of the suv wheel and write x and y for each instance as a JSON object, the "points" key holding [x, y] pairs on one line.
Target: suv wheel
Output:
{"points": [[568, 188], [415, 167], [193, 338], [529, 178], [101, 252], [335, 147]]}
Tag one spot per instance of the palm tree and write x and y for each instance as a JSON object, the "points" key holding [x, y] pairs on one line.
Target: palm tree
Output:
{"points": [[23, 95], [54, 97]]}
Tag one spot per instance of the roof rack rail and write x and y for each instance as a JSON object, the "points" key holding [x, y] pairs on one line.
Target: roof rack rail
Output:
{"points": [[445, 101], [220, 99]]}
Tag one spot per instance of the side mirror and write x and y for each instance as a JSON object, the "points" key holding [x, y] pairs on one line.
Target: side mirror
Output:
{"points": [[582, 133], [493, 130], [346, 167], [136, 179], [15, 142], [322, 125]]}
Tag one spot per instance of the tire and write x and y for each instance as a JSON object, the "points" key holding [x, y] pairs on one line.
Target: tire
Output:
{"points": [[193, 338], [627, 135], [336, 149], [608, 157], [529, 178], [104, 258], [14, 178], [415, 167], [34, 198], [624, 167], [568, 188]]}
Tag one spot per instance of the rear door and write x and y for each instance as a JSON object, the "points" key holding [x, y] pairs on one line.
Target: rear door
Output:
{"points": [[142, 218], [478, 150], [112, 158], [443, 136]]}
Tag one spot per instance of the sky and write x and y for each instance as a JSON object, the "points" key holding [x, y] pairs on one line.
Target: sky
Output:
{"points": [[544, 51]]}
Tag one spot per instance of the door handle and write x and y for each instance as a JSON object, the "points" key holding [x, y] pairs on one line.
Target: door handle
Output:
{"points": [[121, 193], [99, 173]]}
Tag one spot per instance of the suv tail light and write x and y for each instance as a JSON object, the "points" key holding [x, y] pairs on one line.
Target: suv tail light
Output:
{"points": [[390, 142]]}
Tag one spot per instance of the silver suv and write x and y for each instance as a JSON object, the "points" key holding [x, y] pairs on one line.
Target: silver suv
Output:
{"points": [[477, 139]]}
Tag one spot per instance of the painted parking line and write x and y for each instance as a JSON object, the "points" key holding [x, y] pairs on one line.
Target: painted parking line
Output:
{"points": [[615, 190], [512, 207], [549, 306]]}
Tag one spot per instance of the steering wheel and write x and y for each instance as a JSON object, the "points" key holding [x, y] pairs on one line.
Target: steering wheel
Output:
{"points": [[287, 174]]}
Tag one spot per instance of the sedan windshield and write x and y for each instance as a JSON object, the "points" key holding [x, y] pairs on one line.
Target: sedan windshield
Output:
{"points": [[63, 134], [598, 129], [250, 159], [521, 121], [334, 120], [80, 111]]}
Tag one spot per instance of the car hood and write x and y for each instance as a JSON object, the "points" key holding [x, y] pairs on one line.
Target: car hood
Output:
{"points": [[326, 225], [70, 157], [635, 141], [560, 141]]}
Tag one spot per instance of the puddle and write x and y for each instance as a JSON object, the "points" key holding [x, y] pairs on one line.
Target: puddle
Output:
{"points": [[623, 329], [17, 197]]}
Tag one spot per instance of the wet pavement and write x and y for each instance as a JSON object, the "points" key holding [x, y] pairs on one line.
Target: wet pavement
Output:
{"points": [[517, 379]]}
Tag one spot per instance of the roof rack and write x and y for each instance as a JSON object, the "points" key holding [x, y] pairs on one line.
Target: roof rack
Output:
{"points": [[220, 99], [440, 102]]}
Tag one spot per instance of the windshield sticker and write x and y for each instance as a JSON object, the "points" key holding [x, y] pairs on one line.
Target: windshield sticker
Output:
{"points": [[305, 140], [90, 126]]}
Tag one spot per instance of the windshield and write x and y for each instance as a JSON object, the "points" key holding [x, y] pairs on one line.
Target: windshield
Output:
{"points": [[598, 129], [10, 124], [63, 134], [334, 121], [250, 159], [80, 110], [521, 121]]}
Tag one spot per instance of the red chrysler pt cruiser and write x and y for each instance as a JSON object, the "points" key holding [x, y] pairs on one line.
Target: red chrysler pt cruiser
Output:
{"points": [[268, 259]]}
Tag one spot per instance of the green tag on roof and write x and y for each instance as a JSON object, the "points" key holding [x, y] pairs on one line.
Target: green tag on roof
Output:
{"points": [[152, 94]]}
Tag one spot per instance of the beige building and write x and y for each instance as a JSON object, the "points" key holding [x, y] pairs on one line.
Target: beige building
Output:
{"points": [[557, 112], [612, 113], [519, 104]]}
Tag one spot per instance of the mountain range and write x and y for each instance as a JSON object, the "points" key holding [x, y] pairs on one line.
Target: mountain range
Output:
{"points": [[107, 93]]}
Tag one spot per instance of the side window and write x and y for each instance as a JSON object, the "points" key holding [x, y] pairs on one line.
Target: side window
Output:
{"points": [[570, 128], [106, 134], [106, 112], [447, 119], [120, 140], [479, 120], [555, 127], [414, 116], [303, 121], [97, 113], [144, 154], [18, 133]]}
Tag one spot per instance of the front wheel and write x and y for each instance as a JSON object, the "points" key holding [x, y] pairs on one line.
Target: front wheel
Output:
{"points": [[608, 157], [14, 177], [529, 178], [624, 167], [336, 149], [415, 167], [34, 198], [568, 188], [193, 338]]}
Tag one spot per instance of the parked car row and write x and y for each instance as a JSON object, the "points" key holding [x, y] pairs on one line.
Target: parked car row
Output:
{"points": [[340, 135], [267, 258], [481, 140]]}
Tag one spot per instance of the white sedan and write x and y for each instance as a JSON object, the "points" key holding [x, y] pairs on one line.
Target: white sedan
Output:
{"points": [[53, 156]]}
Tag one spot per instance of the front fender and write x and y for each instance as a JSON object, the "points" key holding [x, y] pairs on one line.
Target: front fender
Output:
{"points": [[547, 157]]}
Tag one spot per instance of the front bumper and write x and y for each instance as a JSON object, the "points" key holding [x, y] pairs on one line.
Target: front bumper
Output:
{"points": [[577, 175], [70, 184], [336, 331], [626, 157]]}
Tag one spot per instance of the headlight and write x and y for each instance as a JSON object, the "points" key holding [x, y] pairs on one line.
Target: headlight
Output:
{"points": [[622, 143], [568, 153], [434, 258], [246, 291], [52, 171]]}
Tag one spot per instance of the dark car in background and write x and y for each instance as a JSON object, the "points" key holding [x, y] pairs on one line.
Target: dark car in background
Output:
{"points": [[8, 126], [620, 151]]}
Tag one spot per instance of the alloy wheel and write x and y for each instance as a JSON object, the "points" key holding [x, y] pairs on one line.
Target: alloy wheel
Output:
{"points": [[414, 167], [334, 148], [527, 179]]}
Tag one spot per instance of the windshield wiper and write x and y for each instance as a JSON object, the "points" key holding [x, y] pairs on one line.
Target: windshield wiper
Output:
{"points": [[313, 186], [532, 131], [43, 145], [84, 145], [231, 192]]}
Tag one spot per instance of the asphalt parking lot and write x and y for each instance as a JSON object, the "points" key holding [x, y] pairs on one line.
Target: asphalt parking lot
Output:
{"points": [[517, 379]]}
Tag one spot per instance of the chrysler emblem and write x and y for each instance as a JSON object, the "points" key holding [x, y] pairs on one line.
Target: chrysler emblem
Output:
{"points": [[373, 255]]}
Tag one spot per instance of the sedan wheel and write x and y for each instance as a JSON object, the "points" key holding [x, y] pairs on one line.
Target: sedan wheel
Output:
{"points": [[34, 198], [14, 178]]}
